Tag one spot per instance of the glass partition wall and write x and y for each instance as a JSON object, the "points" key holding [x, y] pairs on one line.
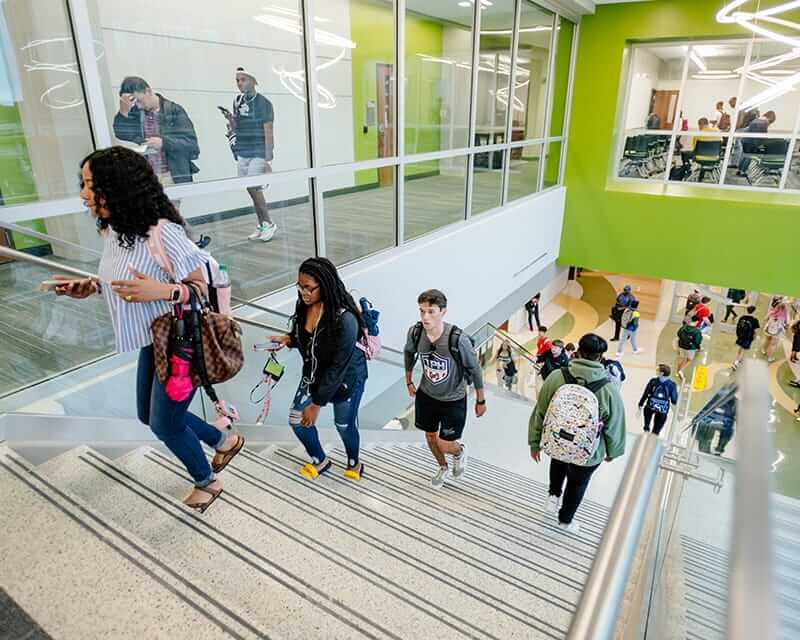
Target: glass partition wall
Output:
{"points": [[722, 113], [397, 118]]}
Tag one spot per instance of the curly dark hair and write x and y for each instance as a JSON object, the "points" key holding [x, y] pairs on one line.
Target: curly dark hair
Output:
{"points": [[124, 183], [333, 293]]}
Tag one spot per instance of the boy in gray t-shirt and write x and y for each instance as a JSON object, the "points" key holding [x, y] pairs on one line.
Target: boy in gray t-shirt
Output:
{"points": [[449, 364]]}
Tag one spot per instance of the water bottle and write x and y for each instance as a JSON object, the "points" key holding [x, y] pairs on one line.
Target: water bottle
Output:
{"points": [[223, 288]]}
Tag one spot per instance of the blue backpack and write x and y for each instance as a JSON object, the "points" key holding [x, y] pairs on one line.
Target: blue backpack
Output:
{"points": [[659, 398]]}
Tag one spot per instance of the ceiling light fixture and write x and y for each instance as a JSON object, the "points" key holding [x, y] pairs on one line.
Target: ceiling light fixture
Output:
{"points": [[749, 20], [698, 61], [775, 91]]}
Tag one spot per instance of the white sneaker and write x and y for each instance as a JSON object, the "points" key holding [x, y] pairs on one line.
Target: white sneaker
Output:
{"points": [[267, 231], [681, 376], [572, 527], [438, 480], [619, 354], [460, 463], [636, 352], [552, 504], [257, 233]]}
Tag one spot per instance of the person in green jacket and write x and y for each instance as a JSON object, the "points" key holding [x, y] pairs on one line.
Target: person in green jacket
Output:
{"points": [[586, 367], [690, 339]]}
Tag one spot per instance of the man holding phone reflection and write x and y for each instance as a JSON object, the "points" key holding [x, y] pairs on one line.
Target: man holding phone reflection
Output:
{"points": [[148, 118], [250, 130]]}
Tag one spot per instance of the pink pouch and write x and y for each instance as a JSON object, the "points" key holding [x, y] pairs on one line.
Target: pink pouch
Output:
{"points": [[179, 384]]}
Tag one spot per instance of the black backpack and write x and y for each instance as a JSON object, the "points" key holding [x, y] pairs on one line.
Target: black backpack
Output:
{"points": [[745, 328], [686, 339], [452, 345]]}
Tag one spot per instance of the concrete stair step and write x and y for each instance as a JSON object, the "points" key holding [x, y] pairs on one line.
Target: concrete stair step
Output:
{"points": [[499, 497], [276, 499], [269, 578], [429, 548], [413, 508], [77, 575]]}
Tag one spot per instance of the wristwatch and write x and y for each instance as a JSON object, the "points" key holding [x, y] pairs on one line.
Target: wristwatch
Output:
{"points": [[480, 402]]}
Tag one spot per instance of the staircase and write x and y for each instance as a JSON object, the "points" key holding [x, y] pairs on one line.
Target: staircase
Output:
{"points": [[100, 548], [706, 579]]}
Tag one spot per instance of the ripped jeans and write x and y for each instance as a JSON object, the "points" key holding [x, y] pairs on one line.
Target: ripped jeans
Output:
{"points": [[345, 417]]}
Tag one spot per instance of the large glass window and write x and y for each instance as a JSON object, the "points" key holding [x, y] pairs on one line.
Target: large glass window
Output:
{"points": [[487, 183], [728, 110], [435, 194], [44, 127], [204, 90], [438, 75], [359, 213], [259, 259], [566, 33], [355, 71], [494, 71], [529, 105], [523, 172]]}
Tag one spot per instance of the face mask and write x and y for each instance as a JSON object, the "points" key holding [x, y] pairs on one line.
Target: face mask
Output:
{"points": [[663, 378], [556, 351]]}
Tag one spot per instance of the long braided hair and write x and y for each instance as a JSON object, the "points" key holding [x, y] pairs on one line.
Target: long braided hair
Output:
{"points": [[333, 293]]}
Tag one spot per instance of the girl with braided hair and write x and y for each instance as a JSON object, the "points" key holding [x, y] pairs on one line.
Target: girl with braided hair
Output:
{"points": [[326, 327]]}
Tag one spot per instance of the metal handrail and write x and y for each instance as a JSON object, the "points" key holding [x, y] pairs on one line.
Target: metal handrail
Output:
{"points": [[598, 609], [55, 266], [523, 350], [751, 601]]}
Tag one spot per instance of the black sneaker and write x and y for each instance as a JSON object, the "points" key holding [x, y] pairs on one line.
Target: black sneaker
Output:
{"points": [[794, 383]]}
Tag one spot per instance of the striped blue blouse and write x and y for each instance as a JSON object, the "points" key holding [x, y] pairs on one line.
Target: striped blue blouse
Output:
{"points": [[132, 320]]}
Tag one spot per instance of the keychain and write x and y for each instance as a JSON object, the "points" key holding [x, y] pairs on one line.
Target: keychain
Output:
{"points": [[273, 371]]}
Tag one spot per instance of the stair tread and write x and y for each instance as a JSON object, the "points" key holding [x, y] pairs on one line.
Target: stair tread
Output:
{"points": [[92, 579]]}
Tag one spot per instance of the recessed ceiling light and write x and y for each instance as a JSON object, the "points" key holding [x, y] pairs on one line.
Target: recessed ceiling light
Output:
{"points": [[464, 4]]}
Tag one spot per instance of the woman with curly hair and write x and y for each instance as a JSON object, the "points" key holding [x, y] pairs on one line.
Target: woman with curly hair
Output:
{"points": [[123, 194], [326, 327]]}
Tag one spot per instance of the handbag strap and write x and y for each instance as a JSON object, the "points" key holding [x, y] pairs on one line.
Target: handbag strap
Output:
{"points": [[195, 303]]}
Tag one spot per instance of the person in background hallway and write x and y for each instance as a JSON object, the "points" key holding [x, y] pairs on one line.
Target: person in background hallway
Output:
{"points": [[623, 301], [554, 358], [775, 326], [126, 198], [449, 364], [793, 358], [630, 325], [615, 370], [543, 343], [700, 312], [735, 296], [251, 126], [745, 334], [689, 341], [692, 300], [504, 356], [586, 368], [655, 401], [325, 327], [148, 118], [532, 307], [569, 348]]}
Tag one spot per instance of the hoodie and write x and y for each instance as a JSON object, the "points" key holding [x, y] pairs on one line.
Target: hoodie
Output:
{"points": [[612, 410]]}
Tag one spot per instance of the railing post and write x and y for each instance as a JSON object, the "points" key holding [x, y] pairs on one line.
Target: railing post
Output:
{"points": [[598, 609]]}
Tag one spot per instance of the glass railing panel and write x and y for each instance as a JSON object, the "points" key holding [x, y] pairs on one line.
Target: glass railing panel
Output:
{"points": [[522, 378]]}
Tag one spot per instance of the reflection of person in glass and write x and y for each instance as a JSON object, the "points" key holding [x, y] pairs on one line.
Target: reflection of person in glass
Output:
{"points": [[250, 131], [148, 118]]}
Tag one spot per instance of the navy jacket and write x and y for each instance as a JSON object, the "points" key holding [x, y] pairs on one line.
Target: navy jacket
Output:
{"points": [[339, 363], [649, 390]]}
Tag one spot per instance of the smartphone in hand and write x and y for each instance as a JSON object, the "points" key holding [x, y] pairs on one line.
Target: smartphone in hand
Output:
{"points": [[225, 112], [50, 285]]}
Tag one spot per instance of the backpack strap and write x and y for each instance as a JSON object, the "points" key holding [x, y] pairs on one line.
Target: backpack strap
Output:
{"points": [[416, 335], [453, 345], [594, 387], [199, 361], [155, 244]]}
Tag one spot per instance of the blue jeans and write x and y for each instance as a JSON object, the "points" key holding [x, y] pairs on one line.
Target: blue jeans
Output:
{"points": [[345, 417], [627, 333], [171, 422]]}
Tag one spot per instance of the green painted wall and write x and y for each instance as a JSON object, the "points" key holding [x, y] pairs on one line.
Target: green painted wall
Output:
{"points": [[372, 29], [16, 180], [712, 236]]}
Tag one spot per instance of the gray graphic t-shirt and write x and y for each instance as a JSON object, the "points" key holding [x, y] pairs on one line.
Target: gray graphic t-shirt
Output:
{"points": [[441, 379]]}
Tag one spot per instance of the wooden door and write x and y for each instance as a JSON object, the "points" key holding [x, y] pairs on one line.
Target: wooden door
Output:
{"points": [[385, 91], [664, 104]]}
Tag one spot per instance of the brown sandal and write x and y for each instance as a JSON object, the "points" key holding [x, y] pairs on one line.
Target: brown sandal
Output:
{"points": [[222, 458], [201, 507]]}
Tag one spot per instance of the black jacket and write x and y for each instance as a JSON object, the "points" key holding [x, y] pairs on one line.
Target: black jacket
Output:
{"points": [[796, 337], [177, 133], [339, 363], [550, 362]]}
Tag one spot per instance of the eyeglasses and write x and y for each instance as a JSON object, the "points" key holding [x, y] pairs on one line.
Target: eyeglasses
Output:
{"points": [[305, 290]]}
